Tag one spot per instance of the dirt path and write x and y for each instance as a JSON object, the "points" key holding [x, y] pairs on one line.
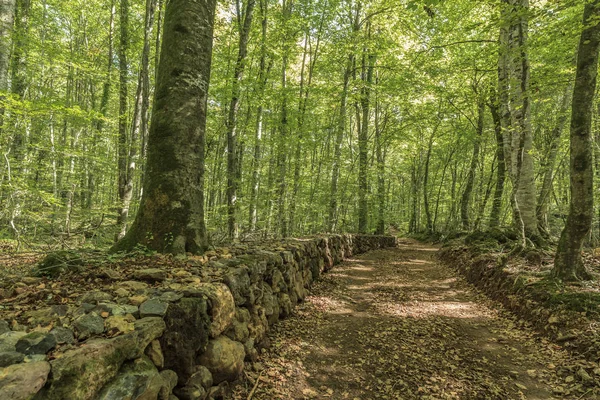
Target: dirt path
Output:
{"points": [[396, 324]]}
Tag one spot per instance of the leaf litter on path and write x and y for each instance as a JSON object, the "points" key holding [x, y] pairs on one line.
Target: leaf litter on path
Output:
{"points": [[396, 324]]}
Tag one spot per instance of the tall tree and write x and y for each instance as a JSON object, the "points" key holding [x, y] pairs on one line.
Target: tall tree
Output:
{"points": [[171, 214], [7, 15], [244, 24], [520, 137], [468, 191], [262, 81], [568, 263], [368, 64], [494, 107], [125, 182]]}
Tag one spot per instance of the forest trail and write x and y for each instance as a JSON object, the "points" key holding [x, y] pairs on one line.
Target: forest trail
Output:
{"points": [[396, 324]]}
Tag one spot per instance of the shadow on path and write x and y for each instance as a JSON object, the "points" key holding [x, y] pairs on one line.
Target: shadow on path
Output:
{"points": [[396, 324]]}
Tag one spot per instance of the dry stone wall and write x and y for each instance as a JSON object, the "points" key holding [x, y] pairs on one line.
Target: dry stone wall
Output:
{"points": [[169, 334]]}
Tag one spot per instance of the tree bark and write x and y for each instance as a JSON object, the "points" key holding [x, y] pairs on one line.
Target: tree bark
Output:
{"points": [[171, 214], [467, 193], [568, 263], [368, 63], [232, 139], [339, 137], [262, 78], [521, 140], [125, 187], [7, 15], [494, 107], [380, 158], [549, 164]]}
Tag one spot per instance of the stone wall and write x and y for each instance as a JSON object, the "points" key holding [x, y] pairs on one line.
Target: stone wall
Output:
{"points": [[168, 332]]}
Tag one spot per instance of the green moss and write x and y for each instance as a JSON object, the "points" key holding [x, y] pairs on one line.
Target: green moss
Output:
{"points": [[554, 294]]}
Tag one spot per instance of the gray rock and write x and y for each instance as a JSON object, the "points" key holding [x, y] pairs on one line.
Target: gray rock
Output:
{"points": [[36, 343], [154, 353], [96, 296], [169, 378], [63, 335], [120, 309], [187, 334], [278, 282], [150, 275], [8, 340], [153, 308], [238, 281], [221, 306], [83, 309], [82, 372], [10, 357], [224, 358], [171, 297], [23, 381], [46, 315], [134, 285], [36, 357], [191, 393], [137, 379], [4, 327], [89, 324], [201, 378], [238, 330]]}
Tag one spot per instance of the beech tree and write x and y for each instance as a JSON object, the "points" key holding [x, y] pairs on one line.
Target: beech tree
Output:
{"points": [[171, 214], [568, 263]]}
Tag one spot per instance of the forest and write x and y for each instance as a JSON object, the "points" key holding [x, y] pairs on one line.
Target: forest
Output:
{"points": [[417, 116], [179, 178]]}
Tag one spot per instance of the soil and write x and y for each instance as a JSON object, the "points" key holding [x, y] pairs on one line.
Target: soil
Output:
{"points": [[397, 324]]}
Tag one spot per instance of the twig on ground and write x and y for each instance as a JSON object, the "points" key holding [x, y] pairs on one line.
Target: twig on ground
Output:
{"points": [[255, 385]]}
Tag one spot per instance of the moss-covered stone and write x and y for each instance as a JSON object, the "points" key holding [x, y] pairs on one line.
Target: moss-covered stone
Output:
{"points": [[187, 335]]}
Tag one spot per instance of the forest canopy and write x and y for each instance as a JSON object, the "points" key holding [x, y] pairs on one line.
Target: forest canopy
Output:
{"points": [[371, 116]]}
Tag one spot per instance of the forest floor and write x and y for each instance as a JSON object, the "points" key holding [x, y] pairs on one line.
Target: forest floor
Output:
{"points": [[397, 324]]}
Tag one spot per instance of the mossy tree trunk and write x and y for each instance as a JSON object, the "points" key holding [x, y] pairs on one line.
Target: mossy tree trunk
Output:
{"points": [[568, 263], [501, 170], [7, 15], [467, 193], [245, 23], [171, 214]]}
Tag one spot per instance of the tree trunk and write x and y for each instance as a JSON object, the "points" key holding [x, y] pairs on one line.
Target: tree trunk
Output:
{"points": [[380, 156], [466, 196], [568, 263], [368, 63], [521, 140], [125, 187], [262, 76], [494, 107], [426, 182], [7, 15], [549, 164], [171, 214], [143, 101], [232, 133], [18, 62], [339, 137]]}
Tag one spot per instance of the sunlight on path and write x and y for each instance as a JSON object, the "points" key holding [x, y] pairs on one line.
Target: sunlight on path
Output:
{"points": [[395, 324]]}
